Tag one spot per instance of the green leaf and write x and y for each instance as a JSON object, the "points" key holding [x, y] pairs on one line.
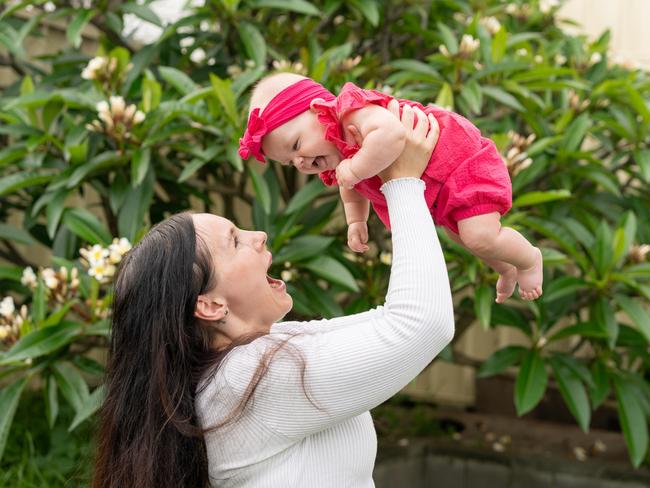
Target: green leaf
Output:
{"points": [[499, 45], [472, 93], [500, 360], [72, 385], [602, 252], [226, 96], [575, 133], [9, 398], [41, 341], [10, 233], [637, 313], [503, 97], [254, 42], [179, 80], [584, 329], [445, 97], [10, 39], [368, 8], [89, 407], [103, 160], [633, 420], [448, 38], [531, 382], [601, 388], [77, 25], [642, 158], [151, 94], [484, 296], [303, 247], [299, 6], [53, 212], [261, 190], [142, 11], [24, 179], [537, 197], [504, 315], [333, 271], [51, 400], [624, 236], [86, 225], [603, 314], [573, 392], [140, 165], [563, 286], [305, 196]]}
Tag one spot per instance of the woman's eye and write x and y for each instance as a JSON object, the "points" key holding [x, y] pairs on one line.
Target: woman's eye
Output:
{"points": [[236, 241]]}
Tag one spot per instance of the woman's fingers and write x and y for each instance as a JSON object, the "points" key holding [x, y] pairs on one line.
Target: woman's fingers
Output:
{"points": [[408, 117], [434, 132], [422, 126], [393, 107]]}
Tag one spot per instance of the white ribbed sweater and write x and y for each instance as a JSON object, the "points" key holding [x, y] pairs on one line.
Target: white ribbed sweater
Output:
{"points": [[353, 364]]}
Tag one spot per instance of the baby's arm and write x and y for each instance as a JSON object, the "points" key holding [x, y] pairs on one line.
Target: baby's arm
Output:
{"points": [[356, 208], [383, 138]]}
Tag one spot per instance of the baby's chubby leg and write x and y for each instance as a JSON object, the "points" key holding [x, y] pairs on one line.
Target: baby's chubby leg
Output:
{"points": [[507, 272], [485, 238]]}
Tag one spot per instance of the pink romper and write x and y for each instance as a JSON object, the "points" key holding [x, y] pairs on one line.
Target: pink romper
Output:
{"points": [[465, 176]]}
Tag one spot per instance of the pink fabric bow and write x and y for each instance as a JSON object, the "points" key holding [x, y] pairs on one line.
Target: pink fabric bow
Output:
{"points": [[289, 103]]}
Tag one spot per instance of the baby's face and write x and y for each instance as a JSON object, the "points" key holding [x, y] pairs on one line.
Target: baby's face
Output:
{"points": [[301, 143]]}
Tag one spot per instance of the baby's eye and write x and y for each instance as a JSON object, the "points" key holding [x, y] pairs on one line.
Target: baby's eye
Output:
{"points": [[295, 146]]}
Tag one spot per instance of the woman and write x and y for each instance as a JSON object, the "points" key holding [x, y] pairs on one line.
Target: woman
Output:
{"points": [[204, 388]]}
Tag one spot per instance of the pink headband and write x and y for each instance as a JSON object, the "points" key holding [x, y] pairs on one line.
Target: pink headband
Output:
{"points": [[289, 103]]}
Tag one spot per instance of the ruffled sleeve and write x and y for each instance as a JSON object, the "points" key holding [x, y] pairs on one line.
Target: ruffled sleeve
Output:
{"points": [[331, 113]]}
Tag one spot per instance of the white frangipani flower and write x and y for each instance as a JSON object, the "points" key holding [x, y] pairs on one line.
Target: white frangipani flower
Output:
{"points": [[49, 278], [118, 249], [491, 24], [595, 58], [29, 277], [286, 275], [198, 55], [101, 270], [7, 307], [468, 44]]}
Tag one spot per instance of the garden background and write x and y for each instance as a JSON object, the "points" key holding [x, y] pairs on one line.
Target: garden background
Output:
{"points": [[104, 133]]}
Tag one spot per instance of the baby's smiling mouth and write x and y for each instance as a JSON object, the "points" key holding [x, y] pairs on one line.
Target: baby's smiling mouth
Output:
{"points": [[319, 163]]}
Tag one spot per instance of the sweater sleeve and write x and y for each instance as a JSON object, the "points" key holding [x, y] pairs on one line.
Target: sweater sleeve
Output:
{"points": [[351, 368]]}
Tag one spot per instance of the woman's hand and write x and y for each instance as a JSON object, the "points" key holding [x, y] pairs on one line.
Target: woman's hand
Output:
{"points": [[420, 142]]}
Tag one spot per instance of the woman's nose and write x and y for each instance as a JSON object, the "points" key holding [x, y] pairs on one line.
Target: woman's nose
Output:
{"points": [[260, 239]]}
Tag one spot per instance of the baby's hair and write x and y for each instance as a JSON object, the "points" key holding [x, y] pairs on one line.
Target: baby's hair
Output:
{"points": [[270, 86]]}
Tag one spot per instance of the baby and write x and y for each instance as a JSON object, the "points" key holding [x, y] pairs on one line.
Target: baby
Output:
{"points": [[349, 139]]}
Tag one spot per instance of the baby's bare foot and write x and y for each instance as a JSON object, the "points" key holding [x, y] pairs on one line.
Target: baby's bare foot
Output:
{"points": [[530, 279], [506, 284]]}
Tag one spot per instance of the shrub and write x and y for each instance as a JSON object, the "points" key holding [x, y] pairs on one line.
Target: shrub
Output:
{"points": [[147, 130]]}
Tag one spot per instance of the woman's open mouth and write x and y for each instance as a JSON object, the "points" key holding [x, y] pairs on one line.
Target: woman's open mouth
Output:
{"points": [[276, 284]]}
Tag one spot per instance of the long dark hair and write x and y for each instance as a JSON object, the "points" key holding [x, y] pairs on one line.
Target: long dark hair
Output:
{"points": [[149, 435]]}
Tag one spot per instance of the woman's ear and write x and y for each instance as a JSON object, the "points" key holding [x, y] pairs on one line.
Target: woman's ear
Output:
{"points": [[315, 101], [209, 309]]}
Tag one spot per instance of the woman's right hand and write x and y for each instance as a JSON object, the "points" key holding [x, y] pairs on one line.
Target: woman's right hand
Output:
{"points": [[420, 142]]}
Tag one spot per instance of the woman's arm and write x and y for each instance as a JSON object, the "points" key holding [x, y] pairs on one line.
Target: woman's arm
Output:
{"points": [[350, 370]]}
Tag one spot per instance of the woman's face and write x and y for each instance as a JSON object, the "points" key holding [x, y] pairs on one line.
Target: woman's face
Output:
{"points": [[241, 261]]}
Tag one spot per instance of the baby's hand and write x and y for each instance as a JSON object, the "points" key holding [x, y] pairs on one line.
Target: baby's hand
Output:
{"points": [[358, 236], [344, 175]]}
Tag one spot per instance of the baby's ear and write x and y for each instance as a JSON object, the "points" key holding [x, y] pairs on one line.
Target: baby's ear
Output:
{"points": [[314, 102]]}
